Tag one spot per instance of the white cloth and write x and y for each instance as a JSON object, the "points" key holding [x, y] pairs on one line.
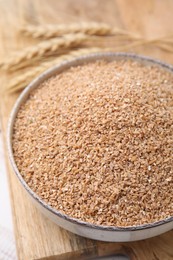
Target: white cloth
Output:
{"points": [[7, 245]]}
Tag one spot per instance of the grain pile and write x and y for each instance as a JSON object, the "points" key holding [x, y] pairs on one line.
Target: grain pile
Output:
{"points": [[95, 142]]}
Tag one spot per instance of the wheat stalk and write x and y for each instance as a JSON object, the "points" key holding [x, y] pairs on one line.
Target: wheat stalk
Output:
{"points": [[54, 30], [21, 81], [89, 28], [27, 63], [14, 64], [165, 43], [49, 46]]}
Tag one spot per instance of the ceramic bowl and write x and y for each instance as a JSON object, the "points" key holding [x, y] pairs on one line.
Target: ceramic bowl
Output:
{"points": [[98, 232]]}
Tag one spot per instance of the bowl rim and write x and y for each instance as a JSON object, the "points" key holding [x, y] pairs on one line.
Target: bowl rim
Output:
{"points": [[23, 97]]}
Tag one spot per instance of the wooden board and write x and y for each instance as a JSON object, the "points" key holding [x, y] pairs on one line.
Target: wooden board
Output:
{"points": [[36, 236]]}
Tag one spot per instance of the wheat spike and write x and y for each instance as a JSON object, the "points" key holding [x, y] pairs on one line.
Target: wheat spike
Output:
{"points": [[89, 28], [21, 81], [54, 30], [49, 46]]}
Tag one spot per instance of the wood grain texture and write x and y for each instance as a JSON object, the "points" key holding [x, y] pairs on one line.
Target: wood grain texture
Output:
{"points": [[36, 236]]}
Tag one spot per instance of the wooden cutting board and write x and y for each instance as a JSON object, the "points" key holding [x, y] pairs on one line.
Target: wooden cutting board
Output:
{"points": [[36, 236]]}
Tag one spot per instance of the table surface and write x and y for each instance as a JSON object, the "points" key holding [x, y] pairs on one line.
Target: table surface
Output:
{"points": [[36, 236]]}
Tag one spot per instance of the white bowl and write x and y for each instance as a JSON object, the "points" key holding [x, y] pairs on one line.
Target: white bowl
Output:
{"points": [[98, 232]]}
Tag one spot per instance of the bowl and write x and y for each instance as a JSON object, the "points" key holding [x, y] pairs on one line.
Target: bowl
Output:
{"points": [[97, 232]]}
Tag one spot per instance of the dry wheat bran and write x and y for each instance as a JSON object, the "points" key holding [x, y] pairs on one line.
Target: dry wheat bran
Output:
{"points": [[95, 142]]}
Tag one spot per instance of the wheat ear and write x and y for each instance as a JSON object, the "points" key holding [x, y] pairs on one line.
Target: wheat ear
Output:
{"points": [[49, 46], [54, 30], [21, 81]]}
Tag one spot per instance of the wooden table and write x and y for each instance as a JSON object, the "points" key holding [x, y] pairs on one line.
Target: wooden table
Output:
{"points": [[36, 236]]}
